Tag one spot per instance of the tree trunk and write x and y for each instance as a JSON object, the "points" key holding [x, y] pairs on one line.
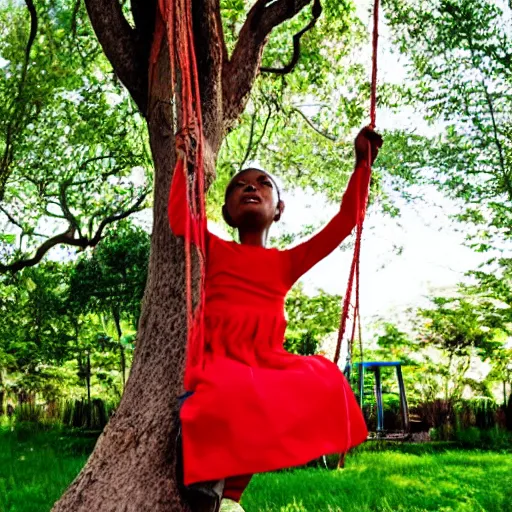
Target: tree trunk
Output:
{"points": [[122, 354], [2, 395], [88, 383], [132, 466]]}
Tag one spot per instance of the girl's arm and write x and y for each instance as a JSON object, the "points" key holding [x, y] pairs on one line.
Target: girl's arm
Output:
{"points": [[307, 254], [179, 208]]}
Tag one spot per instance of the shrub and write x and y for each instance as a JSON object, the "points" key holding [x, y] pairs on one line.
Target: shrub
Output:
{"points": [[468, 437]]}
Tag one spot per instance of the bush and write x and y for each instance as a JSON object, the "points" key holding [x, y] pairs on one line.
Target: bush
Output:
{"points": [[469, 437], [480, 412], [442, 433], [489, 439], [496, 439], [436, 413], [75, 414], [29, 413]]}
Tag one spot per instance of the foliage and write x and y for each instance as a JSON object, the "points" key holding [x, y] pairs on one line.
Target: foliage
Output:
{"points": [[74, 152], [310, 320], [300, 127], [458, 329], [459, 78], [113, 277], [455, 325], [64, 323], [111, 282], [34, 332]]}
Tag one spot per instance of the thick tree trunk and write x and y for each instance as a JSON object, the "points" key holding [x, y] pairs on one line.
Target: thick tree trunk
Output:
{"points": [[132, 467]]}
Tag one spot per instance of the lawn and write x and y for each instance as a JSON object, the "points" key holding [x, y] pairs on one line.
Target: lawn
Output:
{"points": [[35, 467]]}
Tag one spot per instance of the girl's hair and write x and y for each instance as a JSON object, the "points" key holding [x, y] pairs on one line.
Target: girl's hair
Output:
{"points": [[230, 186]]}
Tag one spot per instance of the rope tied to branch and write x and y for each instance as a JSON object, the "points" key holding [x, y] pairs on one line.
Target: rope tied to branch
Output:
{"points": [[354, 274]]}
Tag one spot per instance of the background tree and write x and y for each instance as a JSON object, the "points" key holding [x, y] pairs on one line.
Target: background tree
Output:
{"points": [[111, 282], [72, 152], [493, 289], [34, 332], [310, 320], [457, 328], [459, 63]]}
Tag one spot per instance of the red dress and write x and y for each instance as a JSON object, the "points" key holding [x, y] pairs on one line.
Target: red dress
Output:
{"points": [[255, 407]]}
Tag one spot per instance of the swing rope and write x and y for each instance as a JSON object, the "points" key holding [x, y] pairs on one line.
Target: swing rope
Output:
{"points": [[174, 22], [353, 280]]}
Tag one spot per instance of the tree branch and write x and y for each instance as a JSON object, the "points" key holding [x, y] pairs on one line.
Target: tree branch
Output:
{"points": [[68, 238], [251, 147], [63, 200], [63, 238], [31, 38], [316, 11], [116, 217], [211, 53], [123, 46], [312, 126], [74, 17], [249, 143], [240, 72], [11, 219]]}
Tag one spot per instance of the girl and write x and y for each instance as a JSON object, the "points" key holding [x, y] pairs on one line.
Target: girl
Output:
{"points": [[252, 406]]}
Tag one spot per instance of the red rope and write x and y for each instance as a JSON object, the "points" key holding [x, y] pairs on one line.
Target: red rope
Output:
{"points": [[375, 48], [174, 21], [354, 275]]}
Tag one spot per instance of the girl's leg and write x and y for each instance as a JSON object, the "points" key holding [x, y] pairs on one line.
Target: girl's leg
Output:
{"points": [[235, 486]]}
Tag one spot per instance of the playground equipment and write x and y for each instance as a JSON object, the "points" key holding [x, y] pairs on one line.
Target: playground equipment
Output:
{"points": [[375, 389]]}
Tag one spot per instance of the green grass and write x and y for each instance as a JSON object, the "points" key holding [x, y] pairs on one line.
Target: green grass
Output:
{"points": [[390, 481], [37, 465]]}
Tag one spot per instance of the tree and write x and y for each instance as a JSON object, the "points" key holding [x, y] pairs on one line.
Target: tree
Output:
{"points": [[112, 281], [132, 466], [34, 332], [493, 288], [459, 57], [457, 327], [70, 141]]}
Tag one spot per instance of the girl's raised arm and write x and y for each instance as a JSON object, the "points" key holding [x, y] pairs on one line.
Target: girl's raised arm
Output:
{"points": [[306, 255]]}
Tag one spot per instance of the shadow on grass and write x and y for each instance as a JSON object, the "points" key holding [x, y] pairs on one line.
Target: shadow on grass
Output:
{"points": [[73, 442]]}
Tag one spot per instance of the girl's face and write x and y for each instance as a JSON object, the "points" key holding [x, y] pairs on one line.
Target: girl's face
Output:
{"points": [[252, 201]]}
